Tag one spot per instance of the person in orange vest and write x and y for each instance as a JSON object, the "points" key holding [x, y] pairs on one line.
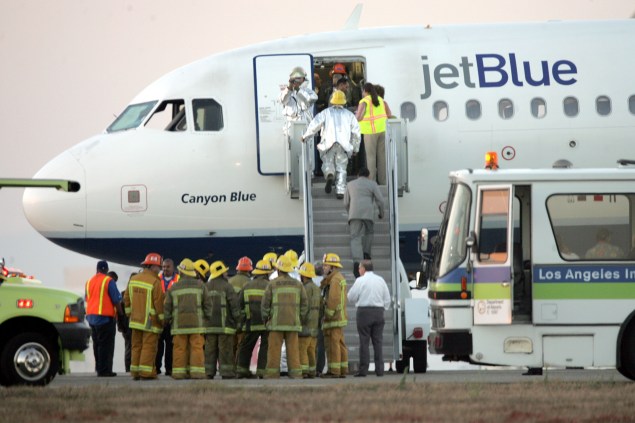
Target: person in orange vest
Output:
{"points": [[143, 302], [103, 300], [372, 114], [168, 278]]}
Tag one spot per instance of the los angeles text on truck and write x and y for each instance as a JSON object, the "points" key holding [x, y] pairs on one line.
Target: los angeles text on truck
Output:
{"points": [[536, 268]]}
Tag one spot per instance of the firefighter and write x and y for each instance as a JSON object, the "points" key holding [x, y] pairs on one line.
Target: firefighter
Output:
{"points": [[221, 326], [284, 307], [250, 299], [335, 318], [238, 281], [186, 306], [168, 278], [308, 336], [143, 302]]}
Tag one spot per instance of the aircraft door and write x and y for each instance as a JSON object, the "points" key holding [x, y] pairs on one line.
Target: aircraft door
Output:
{"points": [[271, 73], [492, 284]]}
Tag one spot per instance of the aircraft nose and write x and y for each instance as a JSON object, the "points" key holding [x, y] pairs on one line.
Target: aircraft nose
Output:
{"points": [[58, 215]]}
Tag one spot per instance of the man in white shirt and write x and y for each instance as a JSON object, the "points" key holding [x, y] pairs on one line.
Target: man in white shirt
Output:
{"points": [[371, 297]]}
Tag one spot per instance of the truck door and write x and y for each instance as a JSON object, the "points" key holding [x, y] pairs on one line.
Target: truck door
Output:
{"points": [[271, 72], [493, 263]]}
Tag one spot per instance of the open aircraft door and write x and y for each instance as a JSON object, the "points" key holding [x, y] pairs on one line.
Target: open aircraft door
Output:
{"points": [[492, 283], [271, 73]]}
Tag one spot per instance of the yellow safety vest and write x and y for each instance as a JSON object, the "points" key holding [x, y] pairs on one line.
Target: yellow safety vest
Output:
{"points": [[374, 120]]}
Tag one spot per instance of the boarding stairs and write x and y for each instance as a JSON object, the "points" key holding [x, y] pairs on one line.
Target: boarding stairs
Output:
{"points": [[326, 230]]}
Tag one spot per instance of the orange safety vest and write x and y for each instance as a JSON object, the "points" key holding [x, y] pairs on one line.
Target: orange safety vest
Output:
{"points": [[174, 280], [97, 299], [374, 120]]}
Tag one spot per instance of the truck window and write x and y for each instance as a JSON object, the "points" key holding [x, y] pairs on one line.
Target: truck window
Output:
{"points": [[493, 226], [592, 227]]}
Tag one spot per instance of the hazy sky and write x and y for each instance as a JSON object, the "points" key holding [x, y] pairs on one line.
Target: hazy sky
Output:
{"points": [[68, 66]]}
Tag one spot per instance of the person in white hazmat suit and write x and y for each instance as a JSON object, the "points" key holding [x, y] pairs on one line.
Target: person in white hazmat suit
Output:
{"points": [[297, 99], [340, 140]]}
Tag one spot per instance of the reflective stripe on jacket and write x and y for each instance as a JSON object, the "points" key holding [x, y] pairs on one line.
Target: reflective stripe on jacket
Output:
{"points": [[374, 120], [143, 302], [97, 299], [225, 312], [186, 305], [334, 286], [284, 305], [250, 303]]}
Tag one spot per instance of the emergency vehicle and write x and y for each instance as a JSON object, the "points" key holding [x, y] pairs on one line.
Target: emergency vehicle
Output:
{"points": [[536, 268]]}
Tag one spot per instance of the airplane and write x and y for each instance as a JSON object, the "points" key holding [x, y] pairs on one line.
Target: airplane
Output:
{"points": [[195, 164]]}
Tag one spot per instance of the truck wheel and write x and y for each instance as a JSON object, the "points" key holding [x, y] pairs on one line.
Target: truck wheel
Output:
{"points": [[627, 368], [420, 357], [401, 365], [29, 359]]}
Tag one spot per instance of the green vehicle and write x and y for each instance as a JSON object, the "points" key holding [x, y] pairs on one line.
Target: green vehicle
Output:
{"points": [[41, 330]]}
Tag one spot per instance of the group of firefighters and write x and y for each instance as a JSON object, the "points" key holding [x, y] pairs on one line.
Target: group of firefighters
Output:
{"points": [[215, 322]]}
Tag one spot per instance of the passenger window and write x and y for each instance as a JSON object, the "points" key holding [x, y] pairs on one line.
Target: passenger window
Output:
{"points": [[440, 110], [506, 108], [169, 116], [538, 108], [631, 104], [473, 109], [571, 107], [494, 218], [408, 111], [593, 226], [208, 115], [603, 105]]}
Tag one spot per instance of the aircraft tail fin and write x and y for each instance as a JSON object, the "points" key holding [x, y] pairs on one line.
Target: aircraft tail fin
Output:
{"points": [[353, 20]]}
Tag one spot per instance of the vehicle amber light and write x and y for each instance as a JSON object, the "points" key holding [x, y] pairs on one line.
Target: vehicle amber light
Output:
{"points": [[417, 333], [68, 317], [463, 288], [25, 303], [491, 160]]}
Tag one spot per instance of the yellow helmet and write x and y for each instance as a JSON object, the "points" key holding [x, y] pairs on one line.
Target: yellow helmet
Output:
{"points": [[216, 269], [270, 257], [307, 269], [293, 257], [332, 259], [263, 267], [338, 98], [187, 268], [284, 264], [202, 267]]}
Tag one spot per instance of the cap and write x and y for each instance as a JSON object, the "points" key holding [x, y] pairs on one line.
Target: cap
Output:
{"points": [[102, 266]]}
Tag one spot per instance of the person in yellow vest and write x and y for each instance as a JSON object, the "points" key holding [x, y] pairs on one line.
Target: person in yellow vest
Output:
{"points": [[284, 308], [238, 281], [308, 336], [186, 307], [250, 299], [103, 303], [221, 325], [335, 318], [372, 114], [143, 302], [168, 278]]}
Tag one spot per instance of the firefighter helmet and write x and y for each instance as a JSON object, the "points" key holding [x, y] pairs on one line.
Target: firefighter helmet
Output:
{"points": [[307, 270], [332, 259], [186, 267], [152, 259], [297, 72], [270, 257], [263, 267], [245, 265], [202, 267], [217, 269], [293, 257], [339, 68], [284, 264], [338, 98]]}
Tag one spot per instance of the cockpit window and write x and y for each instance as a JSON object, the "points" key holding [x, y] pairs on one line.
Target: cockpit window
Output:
{"points": [[168, 116], [131, 117], [208, 115]]}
